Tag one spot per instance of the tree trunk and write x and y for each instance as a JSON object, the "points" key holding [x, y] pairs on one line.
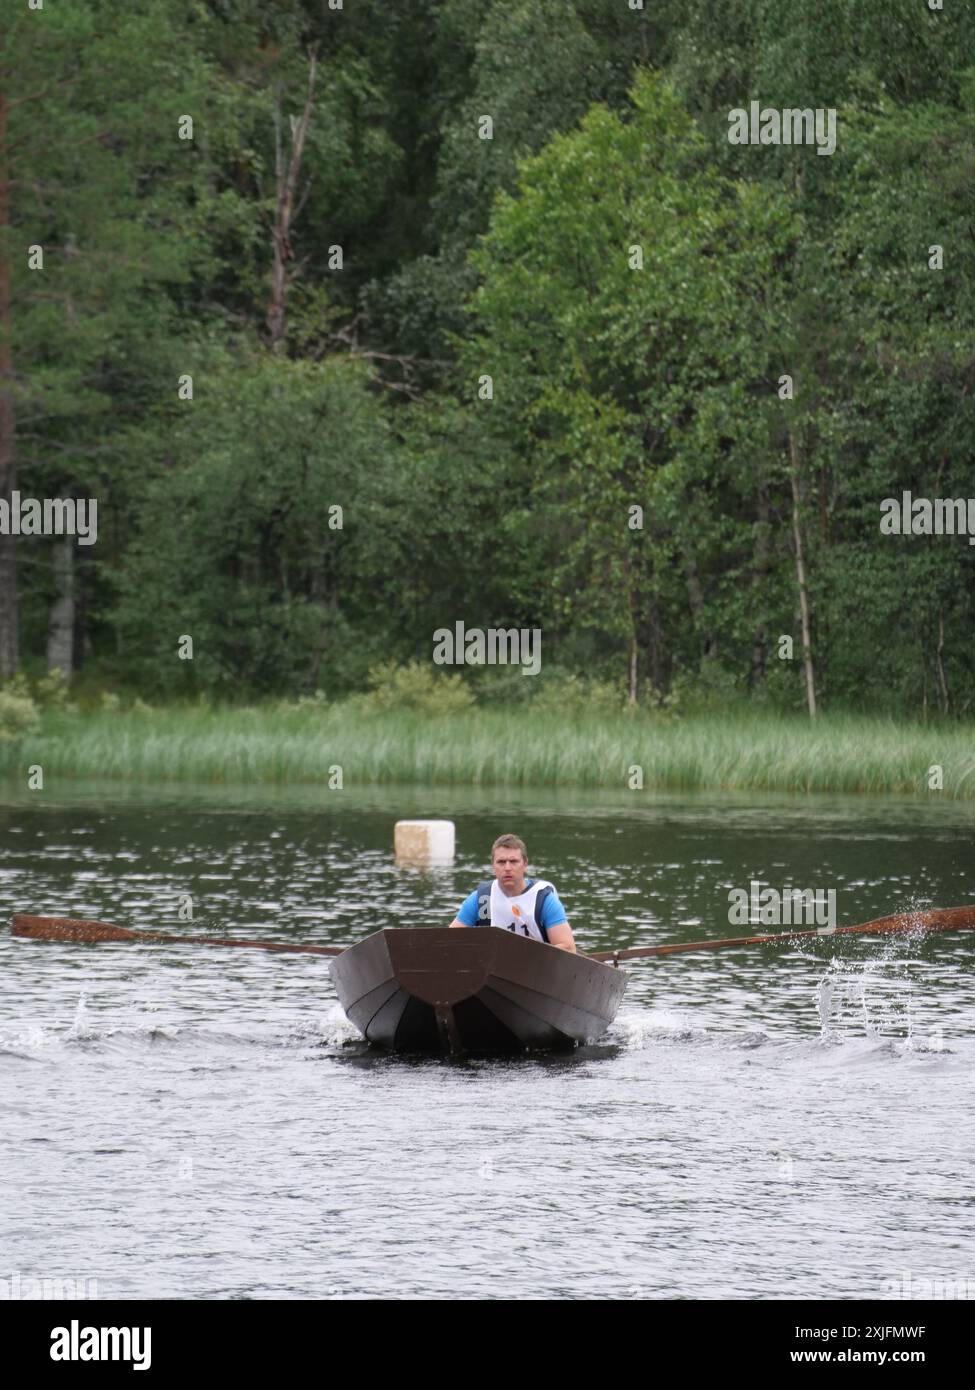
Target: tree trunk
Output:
{"points": [[285, 214], [807, 656], [655, 656], [944, 698], [82, 636], [924, 684], [9, 646], [61, 618], [824, 504], [695, 594], [756, 675]]}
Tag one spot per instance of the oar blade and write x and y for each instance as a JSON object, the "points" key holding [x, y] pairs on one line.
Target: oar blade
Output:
{"points": [[67, 929], [924, 920], [82, 930]]}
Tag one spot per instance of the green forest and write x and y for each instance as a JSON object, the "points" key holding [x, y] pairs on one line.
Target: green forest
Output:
{"points": [[361, 319]]}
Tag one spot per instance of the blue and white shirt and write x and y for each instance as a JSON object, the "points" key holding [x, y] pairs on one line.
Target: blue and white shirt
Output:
{"points": [[530, 913]]}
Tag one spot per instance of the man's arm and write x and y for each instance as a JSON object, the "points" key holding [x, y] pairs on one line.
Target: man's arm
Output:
{"points": [[561, 936], [467, 916], [559, 932]]}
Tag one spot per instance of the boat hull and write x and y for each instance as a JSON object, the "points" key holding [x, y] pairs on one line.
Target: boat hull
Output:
{"points": [[483, 989]]}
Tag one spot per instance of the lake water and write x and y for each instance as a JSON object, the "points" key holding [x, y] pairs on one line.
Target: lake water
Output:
{"points": [[180, 1122]]}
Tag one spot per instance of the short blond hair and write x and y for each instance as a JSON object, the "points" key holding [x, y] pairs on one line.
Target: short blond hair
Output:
{"points": [[509, 842]]}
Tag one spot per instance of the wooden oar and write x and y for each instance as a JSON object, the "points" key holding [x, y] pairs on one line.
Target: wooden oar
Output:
{"points": [[934, 919], [80, 929]]}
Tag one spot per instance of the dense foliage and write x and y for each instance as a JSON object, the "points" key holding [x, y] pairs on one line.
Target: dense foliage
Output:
{"points": [[530, 381]]}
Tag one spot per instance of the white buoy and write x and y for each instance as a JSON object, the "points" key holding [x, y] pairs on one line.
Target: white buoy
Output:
{"points": [[424, 841]]}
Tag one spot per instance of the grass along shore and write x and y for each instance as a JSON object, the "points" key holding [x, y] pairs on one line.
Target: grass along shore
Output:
{"points": [[743, 750]]}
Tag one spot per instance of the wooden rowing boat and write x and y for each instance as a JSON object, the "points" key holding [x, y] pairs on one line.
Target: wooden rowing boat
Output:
{"points": [[440, 989]]}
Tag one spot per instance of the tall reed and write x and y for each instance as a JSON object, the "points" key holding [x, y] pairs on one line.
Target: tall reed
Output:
{"points": [[277, 742]]}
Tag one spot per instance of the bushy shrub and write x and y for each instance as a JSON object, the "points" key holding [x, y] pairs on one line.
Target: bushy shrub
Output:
{"points": [[51, 691], [503, 685], [712, 687], [555, 689], [783, 689], [415, 687], [19, 715], [564, 693]]}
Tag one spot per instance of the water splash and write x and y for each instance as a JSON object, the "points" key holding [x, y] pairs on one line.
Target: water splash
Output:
{"points": [[874, 998], [644, 1027], [640, 1028], [332, 1029], [27, 1043], [82, 1029]]}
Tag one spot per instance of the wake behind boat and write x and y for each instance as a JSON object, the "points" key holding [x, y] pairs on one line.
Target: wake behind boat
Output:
{"points": [[433, 989]]}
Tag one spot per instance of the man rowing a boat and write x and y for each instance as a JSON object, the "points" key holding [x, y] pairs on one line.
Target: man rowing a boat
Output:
{"points": [[530, 907]]}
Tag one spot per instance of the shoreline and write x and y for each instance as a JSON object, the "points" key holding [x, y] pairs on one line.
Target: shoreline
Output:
{"points": [[745, 750]]}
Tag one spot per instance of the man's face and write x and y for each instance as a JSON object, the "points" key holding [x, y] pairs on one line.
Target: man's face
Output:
{"points": [[509, 867]]}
